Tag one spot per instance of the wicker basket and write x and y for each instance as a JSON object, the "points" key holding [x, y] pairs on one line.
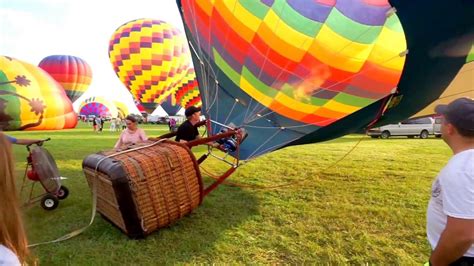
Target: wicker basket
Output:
{"points": [[145, 187]]}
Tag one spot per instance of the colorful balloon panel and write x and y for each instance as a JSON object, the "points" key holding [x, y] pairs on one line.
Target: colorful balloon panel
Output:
{"points": [[122, 109], [73, 73], [150, 57], [461, 86], [99, 107], [170, 105], [30, 99], [142, 109], [283, 70], [311, 61], [187, 91]]}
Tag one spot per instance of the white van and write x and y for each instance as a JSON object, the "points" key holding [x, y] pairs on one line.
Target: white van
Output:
{"points": [[422, 127]]}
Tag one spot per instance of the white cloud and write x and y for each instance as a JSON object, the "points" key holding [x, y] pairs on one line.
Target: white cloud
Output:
{"points": [[33, 29]]}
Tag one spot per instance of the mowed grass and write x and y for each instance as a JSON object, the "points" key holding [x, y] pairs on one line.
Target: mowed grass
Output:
{"points": [[293, 206]]}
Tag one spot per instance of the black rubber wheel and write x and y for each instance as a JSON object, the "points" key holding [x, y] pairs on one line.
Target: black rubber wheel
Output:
{"points": [[424, 134], [374, 137], [49, 202], [385, 134], [63, 193], [438, 136], [410, 137]]}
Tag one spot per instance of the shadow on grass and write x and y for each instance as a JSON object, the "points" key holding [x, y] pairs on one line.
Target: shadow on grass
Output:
{"points": [[196, 236]]}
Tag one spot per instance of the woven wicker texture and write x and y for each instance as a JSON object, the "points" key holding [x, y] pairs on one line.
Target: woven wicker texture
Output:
{"points": [[165, 183]]}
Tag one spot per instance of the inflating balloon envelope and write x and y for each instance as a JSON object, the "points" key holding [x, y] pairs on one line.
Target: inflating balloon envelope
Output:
{"points": [[295, 72], [30, 99]]}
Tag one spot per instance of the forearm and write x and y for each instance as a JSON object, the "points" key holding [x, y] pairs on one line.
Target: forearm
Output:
{"points": [[450, 247], [26, 141]]}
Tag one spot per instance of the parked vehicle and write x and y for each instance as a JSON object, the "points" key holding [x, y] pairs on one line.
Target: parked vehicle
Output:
{"points": [[421, 127], [155, 119]]}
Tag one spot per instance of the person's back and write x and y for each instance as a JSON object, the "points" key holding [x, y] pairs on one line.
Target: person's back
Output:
{"points": [[186, 132], [450, 213]]}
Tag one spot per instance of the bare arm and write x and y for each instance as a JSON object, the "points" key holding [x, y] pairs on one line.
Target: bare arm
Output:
{"points": [[456, 239], [119, 142], [27, 141]]}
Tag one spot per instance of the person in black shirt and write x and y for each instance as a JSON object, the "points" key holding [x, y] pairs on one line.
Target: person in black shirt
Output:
{"points": [[187, 130]]}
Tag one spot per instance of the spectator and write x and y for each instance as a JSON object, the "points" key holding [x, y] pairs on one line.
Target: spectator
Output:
{"points": [[132, 134], [450, 214]]}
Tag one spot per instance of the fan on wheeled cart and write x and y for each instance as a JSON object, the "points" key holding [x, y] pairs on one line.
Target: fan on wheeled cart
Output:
{"points": [[42, 168]]}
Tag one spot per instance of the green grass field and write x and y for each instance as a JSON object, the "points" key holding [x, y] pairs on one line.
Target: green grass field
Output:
{"points": [[368, 208]]}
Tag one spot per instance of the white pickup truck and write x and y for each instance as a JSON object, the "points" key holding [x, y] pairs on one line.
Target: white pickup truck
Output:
{"points": [[422, 127]]}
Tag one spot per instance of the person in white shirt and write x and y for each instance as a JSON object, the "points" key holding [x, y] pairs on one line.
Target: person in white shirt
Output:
{"points": [[13, 242], [450, 214]]}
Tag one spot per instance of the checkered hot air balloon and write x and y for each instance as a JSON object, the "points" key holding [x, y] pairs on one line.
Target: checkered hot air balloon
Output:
{"points": [[187, 91], [73, 73], [150, 57], [99, 107]]}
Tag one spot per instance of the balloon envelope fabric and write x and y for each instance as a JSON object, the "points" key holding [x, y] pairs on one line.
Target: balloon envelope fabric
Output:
{"points": [[99, 107], [72, 72], [122, 109], [150, 57], [283, 69], [30, 99], [187, 91]]}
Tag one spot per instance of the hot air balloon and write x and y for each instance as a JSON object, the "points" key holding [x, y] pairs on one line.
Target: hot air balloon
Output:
{"points": [[73, 73], [99, 107], [150, 57], [140, 107], [187, 91], [31, 100], [122, 109], [295, 72], [170, 105], [461, 86]]}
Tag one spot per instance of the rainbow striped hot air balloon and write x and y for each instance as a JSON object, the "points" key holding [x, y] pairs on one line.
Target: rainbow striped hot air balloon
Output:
{"points": [[284, 69], [31, 100], [98, 106], [150, 57], [73, 73], [187, 91]]}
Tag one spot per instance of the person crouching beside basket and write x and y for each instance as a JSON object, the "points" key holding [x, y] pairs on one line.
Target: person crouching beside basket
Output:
{"points": [[132, 134]]}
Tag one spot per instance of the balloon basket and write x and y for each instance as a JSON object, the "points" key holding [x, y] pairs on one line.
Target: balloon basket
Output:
{"points": [[144, 187]]}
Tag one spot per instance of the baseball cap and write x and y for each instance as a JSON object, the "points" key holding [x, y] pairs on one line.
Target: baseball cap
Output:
{"points": [[191, 110], [460, 113]]}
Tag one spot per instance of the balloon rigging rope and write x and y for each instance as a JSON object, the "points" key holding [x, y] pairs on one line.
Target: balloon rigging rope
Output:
{"points": [[456, 94], [288, 184]]}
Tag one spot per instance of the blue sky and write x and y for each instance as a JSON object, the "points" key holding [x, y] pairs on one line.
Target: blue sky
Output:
{"points": [[33, 29]]}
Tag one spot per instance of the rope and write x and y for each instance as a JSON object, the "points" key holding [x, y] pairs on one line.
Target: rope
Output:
{"points": [[235, 184]]}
